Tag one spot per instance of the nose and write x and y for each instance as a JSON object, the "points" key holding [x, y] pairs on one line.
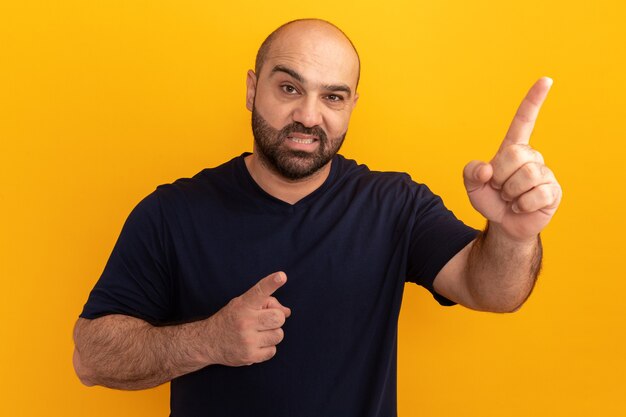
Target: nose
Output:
{"points": [[308, 112]]}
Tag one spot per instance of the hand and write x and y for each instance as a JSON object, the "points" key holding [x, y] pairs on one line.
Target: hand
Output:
{"points": [[516, 191], [248, 328]]}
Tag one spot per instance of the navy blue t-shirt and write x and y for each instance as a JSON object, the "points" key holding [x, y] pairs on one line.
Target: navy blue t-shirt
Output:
{"points": [[347, 248]]}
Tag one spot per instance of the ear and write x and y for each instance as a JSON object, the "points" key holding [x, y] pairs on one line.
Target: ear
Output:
{"points": [[356, 98], [250, 89]]}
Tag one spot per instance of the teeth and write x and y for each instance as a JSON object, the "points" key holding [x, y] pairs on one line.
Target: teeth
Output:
{"points": [[297, 140]]}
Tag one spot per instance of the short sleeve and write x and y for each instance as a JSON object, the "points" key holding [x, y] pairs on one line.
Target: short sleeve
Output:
{"points": [[437, 236], [136, 280]]}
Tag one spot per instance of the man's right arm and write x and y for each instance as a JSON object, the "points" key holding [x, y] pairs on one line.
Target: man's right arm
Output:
{"points": [[124, 352]]}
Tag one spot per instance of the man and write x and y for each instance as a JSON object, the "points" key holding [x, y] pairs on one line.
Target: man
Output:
{"points": [[183, 297]]}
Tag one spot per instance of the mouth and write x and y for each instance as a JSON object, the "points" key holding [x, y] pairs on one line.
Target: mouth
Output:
{"points": [[302, 138], [304, 141]]}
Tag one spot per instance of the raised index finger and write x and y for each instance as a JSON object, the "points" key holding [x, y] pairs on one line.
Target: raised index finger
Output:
{"points": [[524, 120], [257, 296]]}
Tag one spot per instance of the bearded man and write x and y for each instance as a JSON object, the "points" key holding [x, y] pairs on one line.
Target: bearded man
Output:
{"points": [[200, 287]]}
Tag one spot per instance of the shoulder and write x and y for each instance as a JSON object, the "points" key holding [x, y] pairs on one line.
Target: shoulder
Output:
{"points": [[209, 182], [381, 183], [205, 191]]}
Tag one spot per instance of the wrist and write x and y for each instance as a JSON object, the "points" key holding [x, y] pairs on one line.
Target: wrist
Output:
{"points": [[207, 334], [498, 233], [194, 345]]}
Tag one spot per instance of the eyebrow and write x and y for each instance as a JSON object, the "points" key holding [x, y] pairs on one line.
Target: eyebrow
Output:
{"points": [[287, 70], [294, 74]]}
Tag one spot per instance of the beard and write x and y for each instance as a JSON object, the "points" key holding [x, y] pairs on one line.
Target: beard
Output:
{"points": [[289, 163]]}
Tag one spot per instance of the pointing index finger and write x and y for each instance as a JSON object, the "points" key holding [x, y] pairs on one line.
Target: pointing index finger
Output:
{"points": [[524, 120], [257, 296]]}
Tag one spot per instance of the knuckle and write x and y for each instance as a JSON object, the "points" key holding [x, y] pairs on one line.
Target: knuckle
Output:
{"points": [[279, 318], [510, 153], [508, 191], [272, 338], [522, 204], [272, 319], [280, 335], [265, 320], [520, 154], [247, 343], [269, 353], [528, 201], [530, 171], [508, 160], [236, 304], [546, 172], [242, 356], [247, 359], [547, 194]]}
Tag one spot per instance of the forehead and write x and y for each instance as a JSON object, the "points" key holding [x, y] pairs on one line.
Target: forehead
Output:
{"points": [[320, 55]]}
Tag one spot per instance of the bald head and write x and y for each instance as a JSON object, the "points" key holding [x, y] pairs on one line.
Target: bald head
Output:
{"points": [[320, 33]]}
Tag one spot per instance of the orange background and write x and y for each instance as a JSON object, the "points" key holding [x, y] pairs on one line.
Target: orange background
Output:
{"points": [[102, 101]]}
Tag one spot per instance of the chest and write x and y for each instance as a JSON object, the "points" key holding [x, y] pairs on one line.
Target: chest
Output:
{"points": [[334, 256]]}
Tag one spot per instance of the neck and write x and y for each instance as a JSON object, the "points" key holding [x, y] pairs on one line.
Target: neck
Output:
{"points": [[289, 191]]}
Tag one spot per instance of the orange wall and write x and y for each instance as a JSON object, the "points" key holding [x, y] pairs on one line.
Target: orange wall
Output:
{"points": [[102, 101]]}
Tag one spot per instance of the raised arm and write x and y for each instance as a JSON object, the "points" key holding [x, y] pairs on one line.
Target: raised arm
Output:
{"points": [[124, 352], [518, 195]]}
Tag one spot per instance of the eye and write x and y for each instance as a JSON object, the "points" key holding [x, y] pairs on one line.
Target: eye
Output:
{"points": [[289, 89], [334, 98]]}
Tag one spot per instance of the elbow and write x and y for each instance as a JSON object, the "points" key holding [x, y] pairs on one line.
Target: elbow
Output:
{"points": [[500, 303], [499, 300], [505, 306], [494, 308], [506, 309], [514, 304], [82, 372], [516, 307]]}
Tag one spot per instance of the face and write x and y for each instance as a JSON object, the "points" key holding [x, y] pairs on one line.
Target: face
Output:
{"points": [[286, 160], [301, 101]]}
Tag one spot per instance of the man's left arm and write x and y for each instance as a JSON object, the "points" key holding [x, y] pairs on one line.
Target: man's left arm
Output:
{"points": [[518, 195]]}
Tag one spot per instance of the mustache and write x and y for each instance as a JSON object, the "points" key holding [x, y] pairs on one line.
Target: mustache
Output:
{"points": [[297, 127]]}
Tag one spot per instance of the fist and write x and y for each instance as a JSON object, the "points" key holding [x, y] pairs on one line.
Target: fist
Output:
{"points": [[249, 327]]}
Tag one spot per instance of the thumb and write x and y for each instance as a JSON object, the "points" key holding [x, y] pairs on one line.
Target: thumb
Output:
{"points": [[476, 174], [257, 296]]}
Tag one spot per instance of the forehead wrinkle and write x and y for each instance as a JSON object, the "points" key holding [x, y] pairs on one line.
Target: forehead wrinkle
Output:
{"points": [[316, 53], [314, 35]]}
